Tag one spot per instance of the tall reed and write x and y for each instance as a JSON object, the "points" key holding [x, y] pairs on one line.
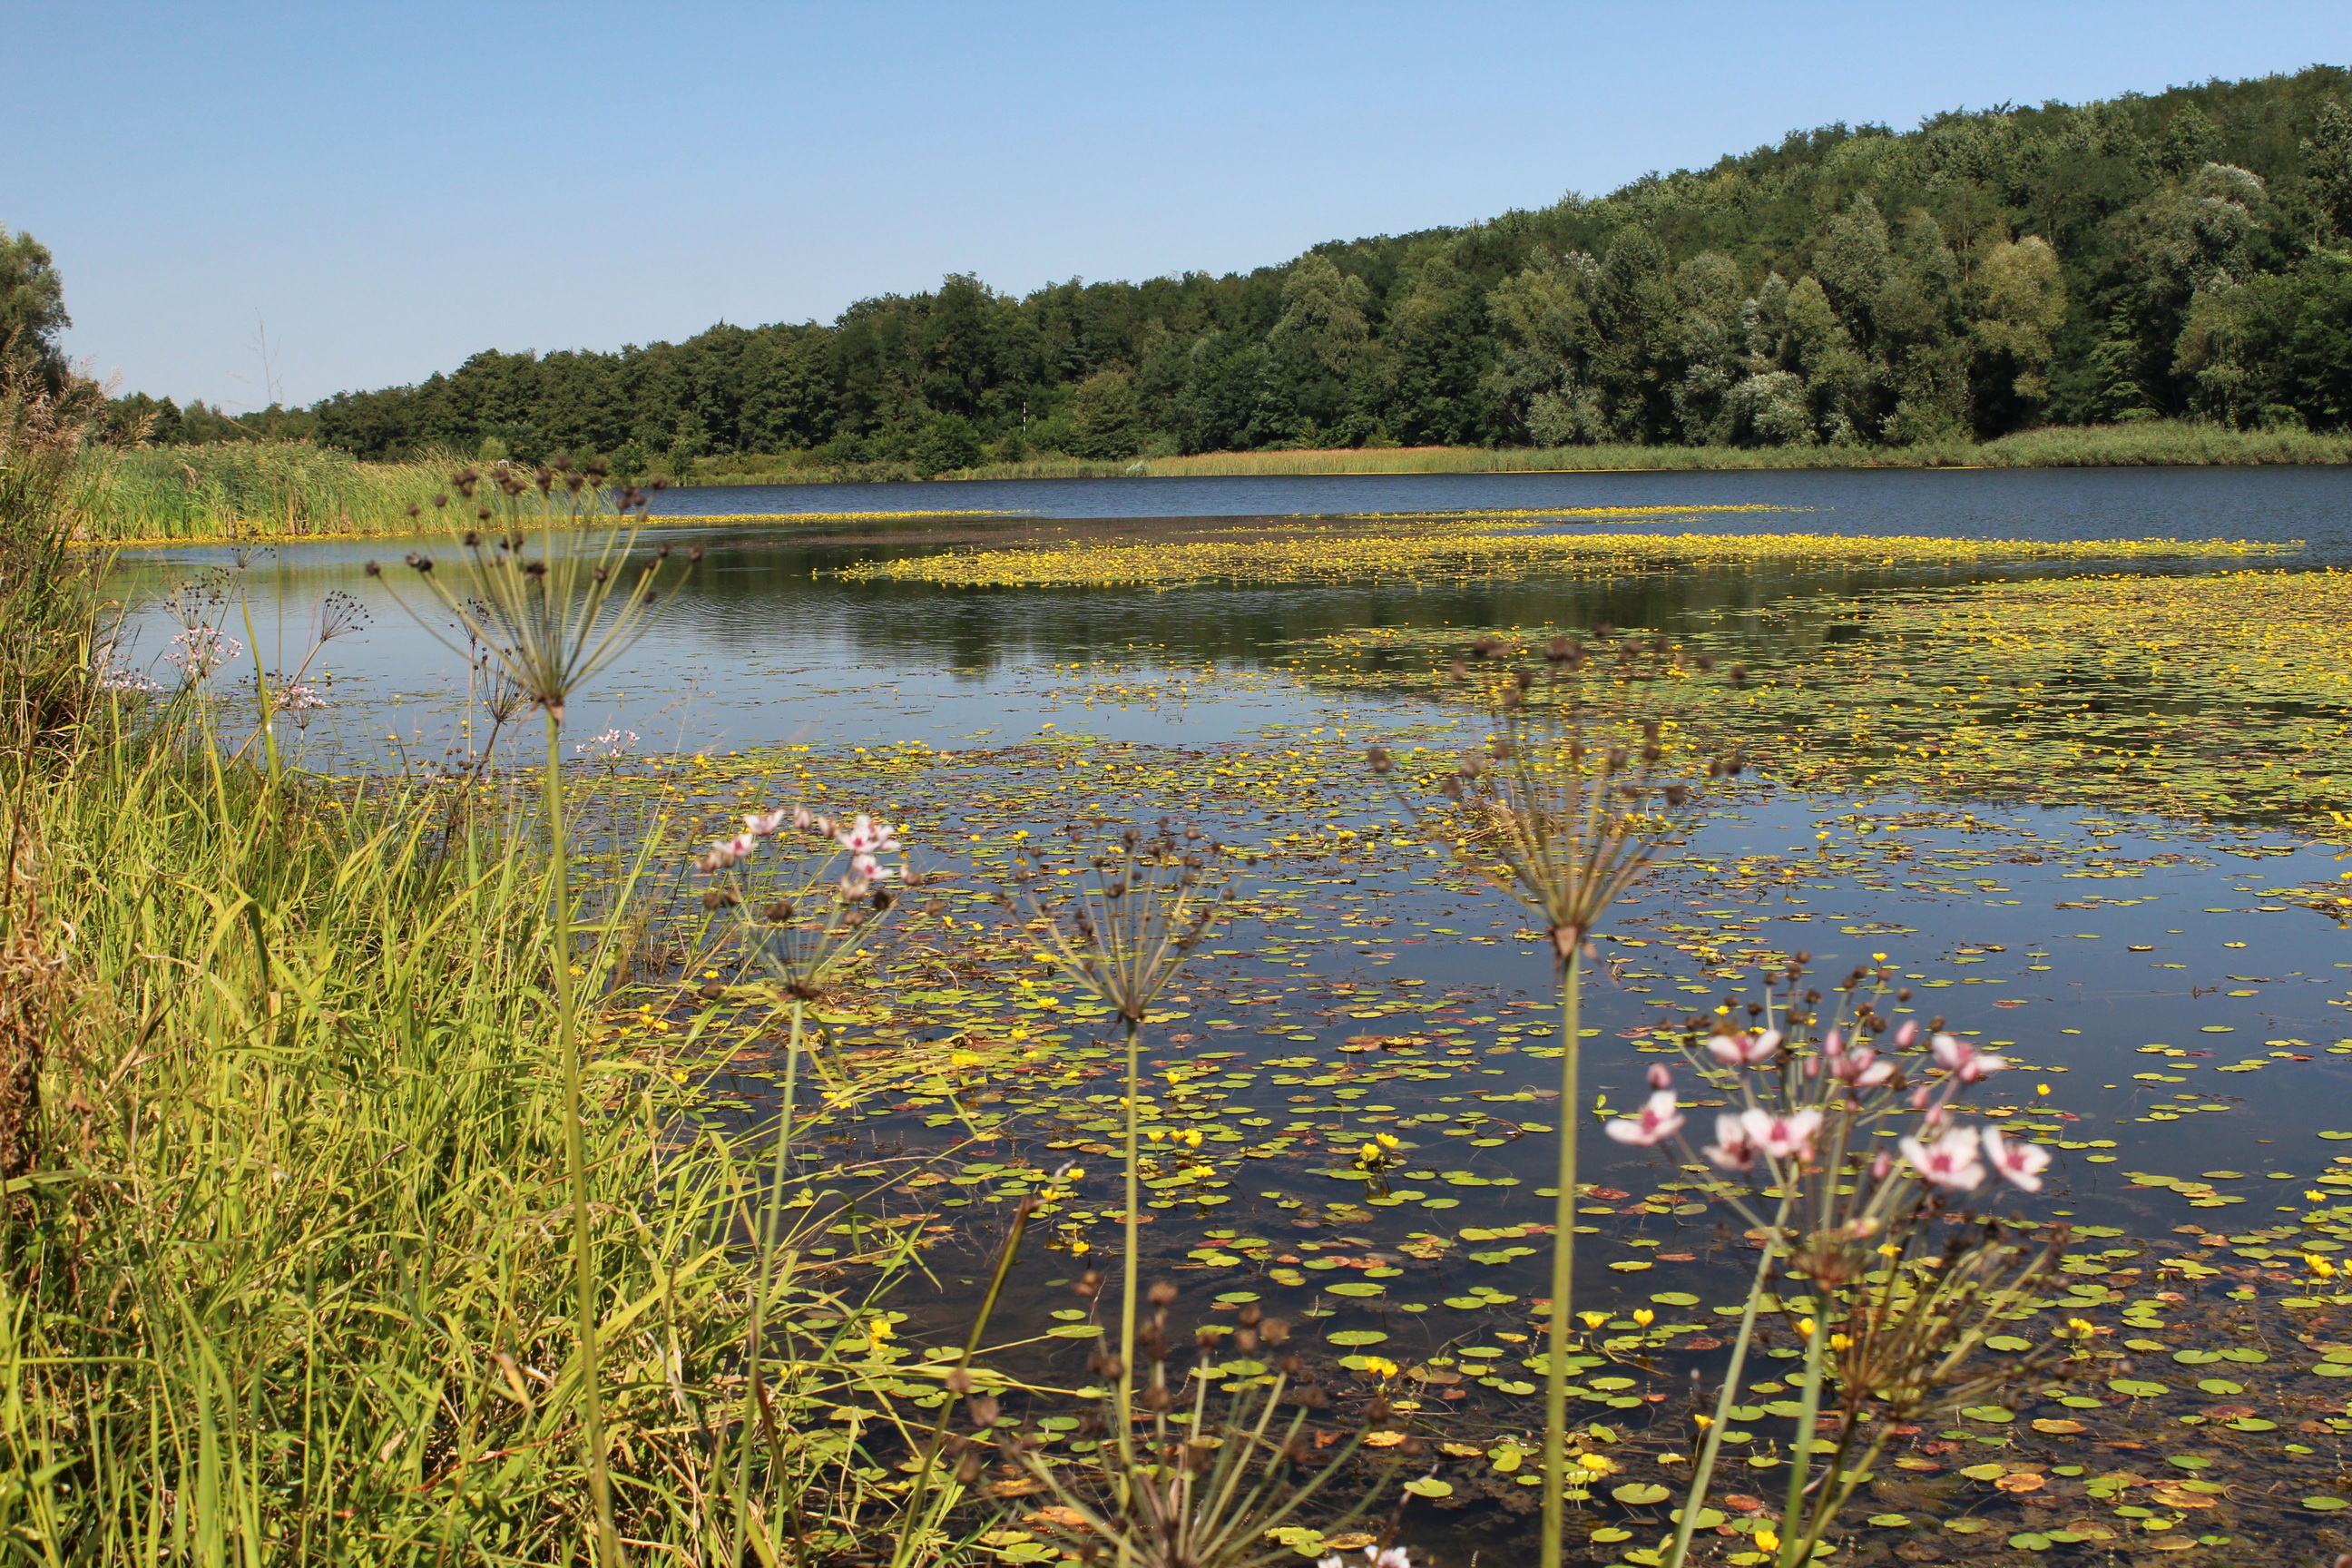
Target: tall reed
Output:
{"points": [[245, 490], [1123, 924]]}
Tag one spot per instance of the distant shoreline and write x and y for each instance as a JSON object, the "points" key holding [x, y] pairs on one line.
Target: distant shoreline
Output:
{"points": [[2148, 444]]}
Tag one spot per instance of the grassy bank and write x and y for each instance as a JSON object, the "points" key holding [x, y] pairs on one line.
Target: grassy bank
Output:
{"points": [[2148, 444], [301, 1238]]}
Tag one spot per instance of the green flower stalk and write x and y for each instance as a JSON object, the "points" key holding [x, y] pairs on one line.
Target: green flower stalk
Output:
{"points": [[1123, 924], [1567, 805], [552, 621], [801, 928]]}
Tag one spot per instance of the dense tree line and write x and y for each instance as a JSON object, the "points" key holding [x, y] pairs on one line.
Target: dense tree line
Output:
{"points": [[2183, 254]]}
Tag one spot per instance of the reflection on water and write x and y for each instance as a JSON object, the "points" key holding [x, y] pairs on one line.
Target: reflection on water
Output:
{"points": [[1978, 503], [759, 645]]}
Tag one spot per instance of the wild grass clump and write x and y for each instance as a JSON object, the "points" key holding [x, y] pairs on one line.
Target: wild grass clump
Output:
{"points": [[339, 1221]]}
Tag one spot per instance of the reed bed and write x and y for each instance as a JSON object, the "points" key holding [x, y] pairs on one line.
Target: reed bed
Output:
{"points": [[246, 490]]}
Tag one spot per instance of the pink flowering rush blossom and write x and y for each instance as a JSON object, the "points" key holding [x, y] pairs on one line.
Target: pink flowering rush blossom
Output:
{"points": [[1950, 1161], [2021, 1164], [1965, 1062], [1744, 1050], [866, 836], [1862, 1068], [1659, 1120], [1779, 1137], [1732, 1150]]}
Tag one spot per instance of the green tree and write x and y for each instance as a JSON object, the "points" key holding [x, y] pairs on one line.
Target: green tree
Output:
{"points": [[948, 441], [1314, 353], [32, 303], [1105, 421], [2327, 164], [2021, 300]]}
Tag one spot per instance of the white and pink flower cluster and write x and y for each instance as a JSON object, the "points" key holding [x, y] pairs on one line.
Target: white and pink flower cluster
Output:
{"points": [[1955, 1160], [1952, 1161], [1374, 1557], [863, 839]]}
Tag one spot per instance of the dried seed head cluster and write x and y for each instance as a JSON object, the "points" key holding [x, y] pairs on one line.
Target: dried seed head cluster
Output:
{"points": [[1580, 781], [1123, 919], [1221, 1469], [550, 620]]}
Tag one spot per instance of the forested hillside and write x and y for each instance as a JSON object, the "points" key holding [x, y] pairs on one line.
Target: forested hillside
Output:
{"points": [[2183, 254]]}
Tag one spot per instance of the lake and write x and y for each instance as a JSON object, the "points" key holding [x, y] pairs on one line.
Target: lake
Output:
{"points": [[2178, 1011]]}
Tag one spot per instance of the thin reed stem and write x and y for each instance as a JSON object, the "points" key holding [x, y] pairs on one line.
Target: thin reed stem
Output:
{"points": [[1563, 1261], [1004, 1262], [1800, 1458], [1704, 1471], [575, 1154], [1132, 1266], [754, 1339]]}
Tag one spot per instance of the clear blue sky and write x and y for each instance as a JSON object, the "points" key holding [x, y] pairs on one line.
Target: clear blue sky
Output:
{"points": [[391, 187]]}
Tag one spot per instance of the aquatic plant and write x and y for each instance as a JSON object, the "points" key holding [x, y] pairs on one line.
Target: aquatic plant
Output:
{"points": [[552, 621], [1122, 922], [1567, 805], [800, 926], [1443, 550], [1903, 1290]]}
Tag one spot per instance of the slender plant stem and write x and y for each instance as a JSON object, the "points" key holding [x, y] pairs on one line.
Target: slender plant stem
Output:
{"points": [[755, 1336], [575, 1154], [1694, 1499], [1800, 1461], [1563, 1261], [1004, 1262], [1127, 1272]]}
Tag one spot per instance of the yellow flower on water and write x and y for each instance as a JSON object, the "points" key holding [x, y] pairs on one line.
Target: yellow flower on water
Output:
{"points": [[1369, 1153], [1840, 1342], [1705, 1422], [1766, 1540], [1889, 1249], [2321, 1267], [1644, 1316], [1593, 1320], [877, 1331], [1805, 1327], [2042, 1089], [1389, 1140], [1597, 1464], [1081, 1246]]}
